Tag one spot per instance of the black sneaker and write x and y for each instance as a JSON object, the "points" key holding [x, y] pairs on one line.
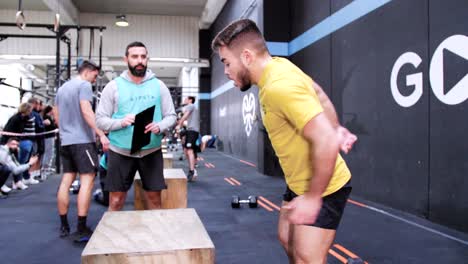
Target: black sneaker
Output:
{"points": [[83, 235], [64, 231], [190, 175]]}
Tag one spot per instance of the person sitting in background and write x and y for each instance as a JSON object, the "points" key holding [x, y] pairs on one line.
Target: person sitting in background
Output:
{"points": [[207, 141], [10, 165], [16, 124]]}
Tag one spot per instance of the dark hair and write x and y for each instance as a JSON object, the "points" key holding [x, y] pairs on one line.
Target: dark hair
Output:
{"points": [[47, 109], [13, 139], [134, 44], [243, 31], [191, 98], [33, 100], [88, 65]]}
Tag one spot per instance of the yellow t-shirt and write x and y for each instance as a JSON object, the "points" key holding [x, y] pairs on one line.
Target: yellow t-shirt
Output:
{"points": [[289, 102]]}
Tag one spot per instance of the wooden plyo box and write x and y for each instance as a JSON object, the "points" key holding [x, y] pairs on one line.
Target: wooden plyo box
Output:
{"points": [[153, 236], [168, 158], [175, 196]]}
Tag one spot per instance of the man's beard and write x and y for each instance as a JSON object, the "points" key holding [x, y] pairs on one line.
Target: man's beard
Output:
{"points": [[245, 82], [137, 72], [14, 151]]}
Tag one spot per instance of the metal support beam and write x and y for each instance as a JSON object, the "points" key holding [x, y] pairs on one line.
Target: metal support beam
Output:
{"points": [[5, 36], [57, 59], [69, 59], [59, 36], [51, 26]]}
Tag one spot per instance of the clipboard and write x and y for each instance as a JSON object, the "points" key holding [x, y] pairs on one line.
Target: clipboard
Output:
{"points": [[139, 138]]}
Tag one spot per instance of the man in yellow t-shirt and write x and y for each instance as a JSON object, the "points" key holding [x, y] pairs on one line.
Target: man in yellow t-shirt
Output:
{"points": [[305, 134]]}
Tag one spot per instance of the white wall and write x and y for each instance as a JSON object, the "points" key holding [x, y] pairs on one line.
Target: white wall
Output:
{"points": [[28, 46], [165, 36], [10, 97]]}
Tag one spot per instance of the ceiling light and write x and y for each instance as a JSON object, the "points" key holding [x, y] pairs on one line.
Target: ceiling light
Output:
{"points": [[121, 21]]}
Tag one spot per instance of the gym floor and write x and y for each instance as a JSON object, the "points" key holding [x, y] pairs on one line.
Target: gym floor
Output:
{"points": [[29, 222]]}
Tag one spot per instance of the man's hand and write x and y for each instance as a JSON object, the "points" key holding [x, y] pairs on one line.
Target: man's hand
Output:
{"points": [[33, 160], [303, 209], [128, 120], [47, 122], [104, 142], [346, 139], [153, 127]]}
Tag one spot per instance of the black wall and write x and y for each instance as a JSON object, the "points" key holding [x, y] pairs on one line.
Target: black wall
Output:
{"points": [[410, 158], [390, 163], [227, 118], [448, 143], [205, 82]]}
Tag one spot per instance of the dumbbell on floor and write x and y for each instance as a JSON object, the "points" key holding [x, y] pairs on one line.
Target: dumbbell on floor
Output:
{"points": [[251, 200]]}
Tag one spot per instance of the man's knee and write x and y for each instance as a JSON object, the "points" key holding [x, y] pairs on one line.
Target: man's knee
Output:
{"points": [[4, 172], [154, 197], [87, 180], [116, 202]]}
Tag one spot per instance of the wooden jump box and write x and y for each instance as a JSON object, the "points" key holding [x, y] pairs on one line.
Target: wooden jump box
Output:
{"points": [[152, 236], [175, 196], [168, 158]]}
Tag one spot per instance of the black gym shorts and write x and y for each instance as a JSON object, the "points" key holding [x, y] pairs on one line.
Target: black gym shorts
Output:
{"points": [[332, 206], [121, 172], [79, 158], [191, 138]]}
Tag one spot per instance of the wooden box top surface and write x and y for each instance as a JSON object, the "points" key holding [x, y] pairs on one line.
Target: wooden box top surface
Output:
{"points": [[148, 231]]}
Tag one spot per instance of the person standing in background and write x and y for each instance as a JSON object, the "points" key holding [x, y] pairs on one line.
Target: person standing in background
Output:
{"points": [[77, 127]]}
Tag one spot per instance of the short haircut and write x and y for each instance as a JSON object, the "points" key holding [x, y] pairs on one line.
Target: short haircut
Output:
{"points": [[192, 98], [135, 44], [13, 139], [33, 100], [239, 33], [24, 108], [88, 65]]}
